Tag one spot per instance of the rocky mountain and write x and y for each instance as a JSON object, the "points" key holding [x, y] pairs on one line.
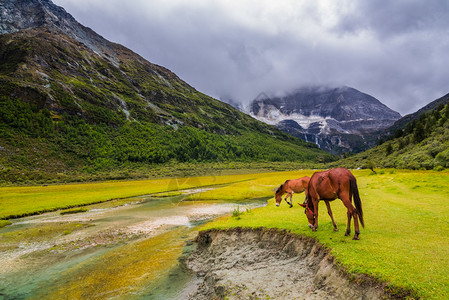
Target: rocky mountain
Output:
{"points": [[24, 14], [71, 101], [338, 120]]}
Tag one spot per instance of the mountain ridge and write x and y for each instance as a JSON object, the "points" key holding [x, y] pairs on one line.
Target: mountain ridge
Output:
{"points": [[24, 14]]}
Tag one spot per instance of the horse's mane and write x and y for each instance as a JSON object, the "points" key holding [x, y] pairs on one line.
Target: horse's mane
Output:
{"points": [[279, 189], [310, 205]]}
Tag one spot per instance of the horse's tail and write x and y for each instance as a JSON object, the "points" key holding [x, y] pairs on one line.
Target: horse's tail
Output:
{"points": [[357, 201]]}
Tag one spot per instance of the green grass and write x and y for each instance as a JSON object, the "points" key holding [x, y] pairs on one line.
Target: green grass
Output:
{"points": [[406, 238]]}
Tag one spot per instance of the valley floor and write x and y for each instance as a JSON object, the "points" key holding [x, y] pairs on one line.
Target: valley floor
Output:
{"points": [[406, 223]]}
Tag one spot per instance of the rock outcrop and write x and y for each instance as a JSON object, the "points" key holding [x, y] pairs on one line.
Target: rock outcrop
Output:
{"points": [[272, 264]]}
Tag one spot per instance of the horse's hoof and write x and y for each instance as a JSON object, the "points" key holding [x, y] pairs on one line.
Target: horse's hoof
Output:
{"points": [[347, 233], [313, 229], [356, 238], [335, 229], [291, 206]]}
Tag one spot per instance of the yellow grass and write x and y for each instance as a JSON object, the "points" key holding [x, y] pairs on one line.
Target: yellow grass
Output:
{"points": [[22, 201]]}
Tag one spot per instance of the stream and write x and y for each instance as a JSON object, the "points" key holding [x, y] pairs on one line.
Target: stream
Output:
{"points": [[127, 249]]}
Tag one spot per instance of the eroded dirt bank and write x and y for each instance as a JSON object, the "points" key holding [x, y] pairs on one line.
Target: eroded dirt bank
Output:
{"points": [[271, 264]]}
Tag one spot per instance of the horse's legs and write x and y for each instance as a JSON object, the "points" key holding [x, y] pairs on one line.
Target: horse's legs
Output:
{"points": [[329, 211], [286, 196], [348, 226], [352, 212], [356, 225], [356, 218], [289, 203], [315, 213]]}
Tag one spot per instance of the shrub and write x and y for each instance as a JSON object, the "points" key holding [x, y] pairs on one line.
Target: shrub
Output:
{"points": [[442, 158], [389, 149], [74, 211], [237, 213], [4, 223]]}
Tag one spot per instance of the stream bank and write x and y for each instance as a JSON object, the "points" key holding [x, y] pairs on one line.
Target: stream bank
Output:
{"points": [[272, 264]]}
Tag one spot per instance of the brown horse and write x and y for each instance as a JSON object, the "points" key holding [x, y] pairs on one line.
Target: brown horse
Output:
{"points": [[330, 185], [291, 186]]}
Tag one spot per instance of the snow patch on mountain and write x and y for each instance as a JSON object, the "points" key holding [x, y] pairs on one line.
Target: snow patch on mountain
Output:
{"points": [[340, 119]]}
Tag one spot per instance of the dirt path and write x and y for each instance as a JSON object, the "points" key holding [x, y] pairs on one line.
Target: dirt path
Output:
{"points": [[271, 264]]}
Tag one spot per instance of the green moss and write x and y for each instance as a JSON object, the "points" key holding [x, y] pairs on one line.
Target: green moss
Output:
{"points": [[126, 270]]}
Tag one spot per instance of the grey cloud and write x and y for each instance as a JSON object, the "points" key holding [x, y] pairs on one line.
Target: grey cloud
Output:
{"points": [[392, 18], [393, 50]]}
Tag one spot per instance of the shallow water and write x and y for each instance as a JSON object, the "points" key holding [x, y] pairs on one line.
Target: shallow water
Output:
{"points": [[129, 251]]}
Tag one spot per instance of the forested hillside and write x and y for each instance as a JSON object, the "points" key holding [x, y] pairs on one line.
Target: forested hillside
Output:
{"points": [[66, 110], [421, 144]]}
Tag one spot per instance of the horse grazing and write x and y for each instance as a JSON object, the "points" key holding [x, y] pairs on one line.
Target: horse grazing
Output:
{"points": [[330, 185], [291, 186]]}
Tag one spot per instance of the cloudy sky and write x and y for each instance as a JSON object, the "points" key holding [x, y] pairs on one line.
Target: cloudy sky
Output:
{"points": [[396, 51]]}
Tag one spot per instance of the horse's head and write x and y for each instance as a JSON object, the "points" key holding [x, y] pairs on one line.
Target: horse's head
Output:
{"points": [[278, 195], [309, 213]]}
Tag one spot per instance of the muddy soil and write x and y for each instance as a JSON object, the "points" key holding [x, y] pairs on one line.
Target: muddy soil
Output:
{"points": [[271, 264]]}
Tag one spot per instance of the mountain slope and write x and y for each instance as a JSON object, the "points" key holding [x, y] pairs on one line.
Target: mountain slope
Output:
{"points": [[423, 143], [402, 122], [337, 119], [70, 101]]}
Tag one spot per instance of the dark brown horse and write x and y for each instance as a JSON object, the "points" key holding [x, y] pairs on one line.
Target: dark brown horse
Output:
{"points": [[330, 185], [291, 186]]}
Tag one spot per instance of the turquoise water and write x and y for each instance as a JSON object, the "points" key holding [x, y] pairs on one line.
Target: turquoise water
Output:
{"points": [[35, 267]]}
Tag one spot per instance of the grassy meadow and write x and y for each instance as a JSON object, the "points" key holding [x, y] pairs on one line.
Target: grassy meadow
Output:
{"points": [[406, 238], [405, 241]]}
